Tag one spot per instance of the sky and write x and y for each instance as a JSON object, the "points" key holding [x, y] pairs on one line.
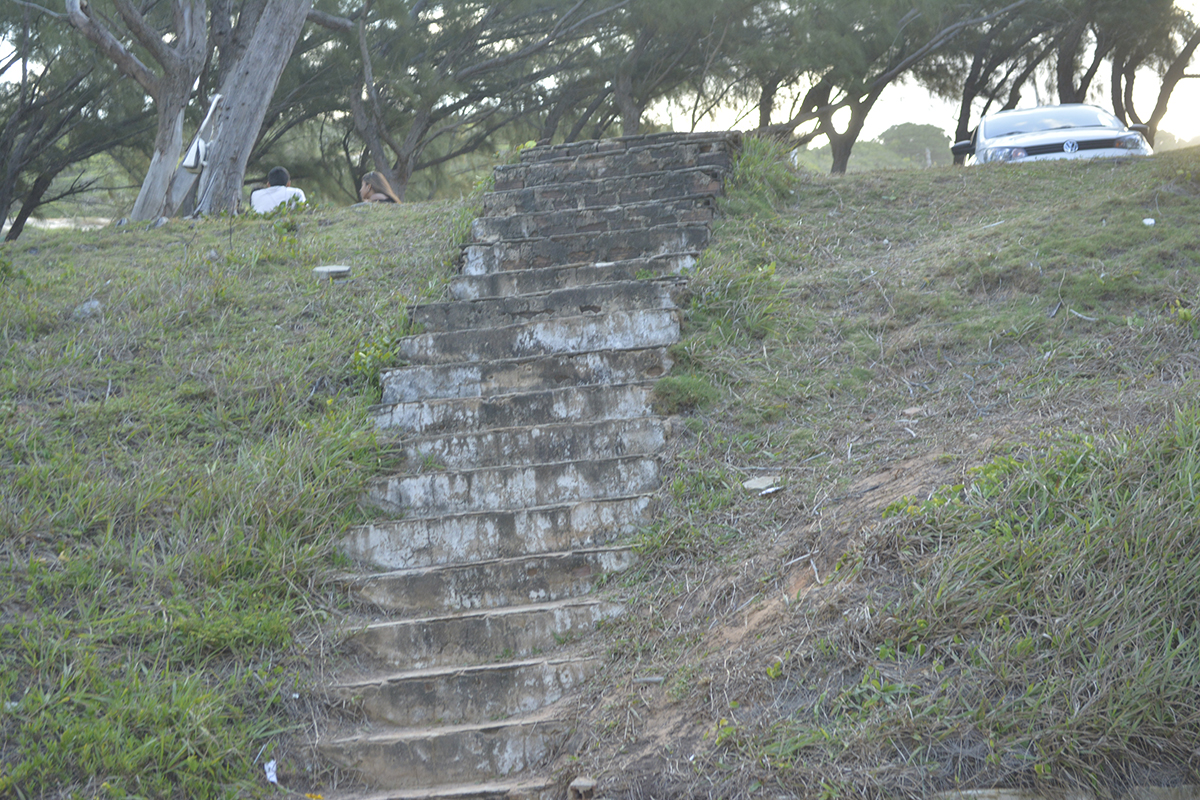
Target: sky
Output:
{"points": [[907, 102]]}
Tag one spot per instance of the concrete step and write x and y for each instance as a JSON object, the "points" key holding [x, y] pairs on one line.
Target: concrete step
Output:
{"points": [[493, 583], [519, 409], [534, 444], [459, 695], [482, 636], [593, 220], [512, 487], [532, 281], [630, 295], [520, 788], [729, 141], [609, 158], [697, 184], [573, 248], [427, 382], [414, 758], [617, 330], [480, 536]]}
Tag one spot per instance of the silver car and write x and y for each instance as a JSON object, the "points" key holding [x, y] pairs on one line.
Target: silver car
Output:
{"points": [[1052, 132]]}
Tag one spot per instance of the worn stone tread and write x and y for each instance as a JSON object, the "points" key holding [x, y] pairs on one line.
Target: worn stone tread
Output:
{"points": [[533, 444], [477, 536], [477, 637], [476, 694], [613, 330], [538, 406], [503, 283], [527, 789], [492, 583], [426, 383], [668, 291]]}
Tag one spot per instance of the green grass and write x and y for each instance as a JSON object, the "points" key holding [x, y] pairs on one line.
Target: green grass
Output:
{"points": [[1017, 337], [176, 465], [973, 389]]}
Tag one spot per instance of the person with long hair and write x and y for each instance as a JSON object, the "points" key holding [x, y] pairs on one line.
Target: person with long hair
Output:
{"points": [[375, 189]]}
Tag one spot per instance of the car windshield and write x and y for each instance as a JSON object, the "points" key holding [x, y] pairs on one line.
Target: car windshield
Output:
{"points": [[1049, 118]]}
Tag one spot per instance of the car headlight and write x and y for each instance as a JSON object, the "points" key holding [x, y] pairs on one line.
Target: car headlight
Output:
{"points": [[1132, 141], [990, 154]]}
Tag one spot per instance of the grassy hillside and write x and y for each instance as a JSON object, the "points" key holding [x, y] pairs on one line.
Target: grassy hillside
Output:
{"points": [[183, 432], [971, 561]]}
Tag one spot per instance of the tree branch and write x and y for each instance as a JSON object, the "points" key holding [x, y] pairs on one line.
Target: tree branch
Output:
{"points": [[126, 61]]}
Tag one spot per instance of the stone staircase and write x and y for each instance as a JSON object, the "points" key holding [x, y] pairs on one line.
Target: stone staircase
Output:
{"points": [[530, 445]]}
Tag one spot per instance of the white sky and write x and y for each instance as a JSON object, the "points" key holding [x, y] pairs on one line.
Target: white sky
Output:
{"points": [[907, 102]]}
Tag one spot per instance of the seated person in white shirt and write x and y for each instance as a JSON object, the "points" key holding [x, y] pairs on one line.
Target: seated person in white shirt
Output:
{"points": [[279, 191]]}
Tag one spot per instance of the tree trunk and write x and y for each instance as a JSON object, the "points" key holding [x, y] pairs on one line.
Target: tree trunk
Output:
{"points": [[766, 102], [842, 143], [32, 199], [248, 87], [623, 91], [151, 201], [181, 62], [410, 149]]}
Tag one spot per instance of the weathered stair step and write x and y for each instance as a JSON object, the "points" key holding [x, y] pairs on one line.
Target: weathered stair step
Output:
{"points": [[519, 788], [593, 220], [692, 183], [494, 583], [482, 636], [567, 165], [425, 382], [535, 444], [510, 487], [458, 695], [670, 292], [454, 754], [530, 281], [616, 330], [429, 541], [720, 139], [579, 247], [518, 409]]}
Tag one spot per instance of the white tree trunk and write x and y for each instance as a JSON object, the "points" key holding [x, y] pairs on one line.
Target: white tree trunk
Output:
{"points": [[151, 201], [248, 88], [179, 54]]}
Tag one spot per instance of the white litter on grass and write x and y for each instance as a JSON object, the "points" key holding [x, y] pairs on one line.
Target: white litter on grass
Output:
{"points": [[269, 767], [757, 484], [332, 272], [1148, 222]]}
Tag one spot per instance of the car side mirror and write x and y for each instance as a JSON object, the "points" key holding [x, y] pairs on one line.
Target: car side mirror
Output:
{"points": [[1144, 130], [963, 148]]}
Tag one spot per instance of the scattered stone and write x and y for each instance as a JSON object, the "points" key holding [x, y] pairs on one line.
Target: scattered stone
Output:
{"points": [[332, 272], [158, 223], [914, 411], [581, 789], [212, 255], [91, 308], [760, 484]]}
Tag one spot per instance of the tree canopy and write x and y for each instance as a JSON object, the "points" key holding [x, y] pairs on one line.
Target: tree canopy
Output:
{"points": [[415, 89]]}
